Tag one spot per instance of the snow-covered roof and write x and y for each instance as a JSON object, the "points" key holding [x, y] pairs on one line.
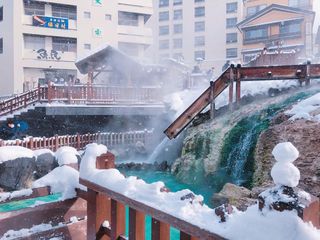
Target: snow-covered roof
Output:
{"points": [[106, 55]]}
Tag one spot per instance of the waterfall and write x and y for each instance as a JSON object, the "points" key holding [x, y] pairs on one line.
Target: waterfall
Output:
{"points": [[158, 151]]}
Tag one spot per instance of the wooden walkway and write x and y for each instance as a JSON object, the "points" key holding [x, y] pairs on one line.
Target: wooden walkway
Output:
{"points": [[236, 75]]}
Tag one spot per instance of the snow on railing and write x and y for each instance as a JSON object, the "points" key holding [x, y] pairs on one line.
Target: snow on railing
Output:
{"points": [[80, 141]]}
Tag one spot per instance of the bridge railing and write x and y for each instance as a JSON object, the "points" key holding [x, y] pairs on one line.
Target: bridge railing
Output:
{"points": [[80, 141], [106, 204]]}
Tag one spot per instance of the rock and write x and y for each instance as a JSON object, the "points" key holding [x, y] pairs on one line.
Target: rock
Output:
{"points": [[240, 197], [17, 174], [45, 163], [303, 134]]}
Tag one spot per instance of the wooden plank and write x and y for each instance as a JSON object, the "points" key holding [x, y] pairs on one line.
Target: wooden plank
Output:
{"points": [[185, 236], [118, 219], [197, 106], [136, 225], [51, 212], [160, 230], [92, 227], [180, 224]]}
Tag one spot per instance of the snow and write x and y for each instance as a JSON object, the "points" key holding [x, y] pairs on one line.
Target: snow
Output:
{"points": [[11, 234], [305, 108], [267, 225], [66, 155], [8, 153], [284, 172], [285, 152], [62, 180], [42, 151], [9, 195]]}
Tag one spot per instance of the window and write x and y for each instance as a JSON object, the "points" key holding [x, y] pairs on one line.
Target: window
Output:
{"points": [[64, 44], [33, 7], [199, 41], [177, 2], [86, 14], [87, 46], [177, 14], [232, 38], [199, 26], [163, 3], [108, 17], [34, 42], [164, 44], [177, 28], [1, 45], [199, 55], [128, 19], [199, 11], [1, 14], [196, 1], [177, 43], [299, 3], [163, 30], [293, 27], [232, 7], [256, 34], [64, 11], [255, 9], [164, 16], [232, 52], [231, 22]]}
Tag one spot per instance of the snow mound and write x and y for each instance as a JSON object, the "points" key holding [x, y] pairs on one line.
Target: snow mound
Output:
{"points": [[62, 180], [67, 158], [8, 153], [304, 109], [285, 152]]}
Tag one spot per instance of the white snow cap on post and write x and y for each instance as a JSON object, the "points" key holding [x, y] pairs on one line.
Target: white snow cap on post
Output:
{"points": [[284, 172]]}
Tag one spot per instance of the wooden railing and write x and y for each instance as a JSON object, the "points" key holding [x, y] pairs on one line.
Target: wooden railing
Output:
{"points": [[80, 141], [105, 204], [82, 94]]}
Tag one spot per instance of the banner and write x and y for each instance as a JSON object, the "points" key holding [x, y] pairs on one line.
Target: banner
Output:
{"points": [[50, 22]]}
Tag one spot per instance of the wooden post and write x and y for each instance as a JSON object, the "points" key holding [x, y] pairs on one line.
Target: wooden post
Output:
{"points": [[118, 219], [160, 230], [78, 141], [238, 85], [185, 236], [49, 91], [231, 80], [31, 143], [56, 142], [1, 143], [136, 225], [212, 100], [308, 73]]}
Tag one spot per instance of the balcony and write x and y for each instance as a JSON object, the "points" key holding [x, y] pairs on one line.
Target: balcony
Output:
{"points": [[272, 38]]}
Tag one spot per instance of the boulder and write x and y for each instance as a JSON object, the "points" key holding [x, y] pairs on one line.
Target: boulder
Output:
{"points": [[17, 174], [45, 163], [240, 197]]}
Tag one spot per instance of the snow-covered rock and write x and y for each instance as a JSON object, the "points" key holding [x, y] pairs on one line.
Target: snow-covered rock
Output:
{"points": [[67, 155], [13, 152], [45, 162]]}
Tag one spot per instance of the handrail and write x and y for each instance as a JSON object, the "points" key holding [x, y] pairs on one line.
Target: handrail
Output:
{"points": [[80, 141]]}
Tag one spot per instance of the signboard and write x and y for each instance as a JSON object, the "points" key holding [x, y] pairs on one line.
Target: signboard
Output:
{"points": [[50, 22], [97, 32], [97, 2]]}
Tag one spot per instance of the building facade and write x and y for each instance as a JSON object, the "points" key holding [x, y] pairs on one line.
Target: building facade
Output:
{"points": [[40, 40], [191, 30], [279, 25]]}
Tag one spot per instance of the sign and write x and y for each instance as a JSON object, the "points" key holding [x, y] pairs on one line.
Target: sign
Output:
{"points": [[97, 32], [97, 2], [43, 54], [50, 22]]}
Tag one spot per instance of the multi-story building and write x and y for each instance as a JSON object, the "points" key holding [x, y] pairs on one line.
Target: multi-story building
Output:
{"points": [[191, 30], [40, 40], [277, 24]]}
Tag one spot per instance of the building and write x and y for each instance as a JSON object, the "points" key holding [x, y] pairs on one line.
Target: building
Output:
{"points": [[191, 30], [282, 25], [40, 40]]}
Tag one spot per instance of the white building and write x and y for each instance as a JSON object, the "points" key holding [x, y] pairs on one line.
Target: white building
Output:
{"points": [[40, 40], [195, 29]]}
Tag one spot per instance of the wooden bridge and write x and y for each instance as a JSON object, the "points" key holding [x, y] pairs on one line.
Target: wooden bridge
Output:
{"points": [[85, 95], [236, 75]]}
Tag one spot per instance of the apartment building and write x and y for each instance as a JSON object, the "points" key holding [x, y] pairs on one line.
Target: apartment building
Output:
{"points": [[285, 25], [40, 40], [195, 30]]}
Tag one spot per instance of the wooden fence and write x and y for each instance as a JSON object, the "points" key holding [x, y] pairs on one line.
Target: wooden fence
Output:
{"points": [[80, 141], [82, 94]]}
